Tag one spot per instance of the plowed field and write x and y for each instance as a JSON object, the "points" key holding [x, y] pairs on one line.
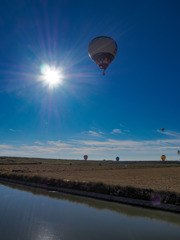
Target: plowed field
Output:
{"points": [[142, 175]]}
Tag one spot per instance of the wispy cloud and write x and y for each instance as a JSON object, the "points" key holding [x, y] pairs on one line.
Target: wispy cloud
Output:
{"points": [[58, 143], [4, 146], [169, 133], [108, 143], [119, 131], [115, 131], [127, 131], [94, 133], [39, 143], [12, 130], [96, 149]]}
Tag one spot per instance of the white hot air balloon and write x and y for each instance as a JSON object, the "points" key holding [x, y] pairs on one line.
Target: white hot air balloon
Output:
{"points": [[102, 50]]}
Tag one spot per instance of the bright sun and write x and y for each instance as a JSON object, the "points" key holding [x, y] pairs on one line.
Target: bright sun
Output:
{"points": [[51, 75]]}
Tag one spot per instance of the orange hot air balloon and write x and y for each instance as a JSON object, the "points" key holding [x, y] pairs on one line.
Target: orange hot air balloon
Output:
{"points": [[85, 157], [163, 157]]}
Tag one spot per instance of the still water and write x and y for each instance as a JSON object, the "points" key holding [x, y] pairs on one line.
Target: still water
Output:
{"points": [[33, 214]]}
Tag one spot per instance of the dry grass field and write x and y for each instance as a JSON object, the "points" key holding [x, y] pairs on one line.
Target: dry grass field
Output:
{"points": [[157, 176]]}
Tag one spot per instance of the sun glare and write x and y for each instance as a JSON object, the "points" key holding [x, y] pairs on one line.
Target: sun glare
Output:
{"points": [[51, 75]]}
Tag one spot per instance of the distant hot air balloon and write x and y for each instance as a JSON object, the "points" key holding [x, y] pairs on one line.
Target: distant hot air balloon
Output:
{"points": [[85, 157], [102, 50], [163, 157], [178, 152], [162, 129], [117, 159]]}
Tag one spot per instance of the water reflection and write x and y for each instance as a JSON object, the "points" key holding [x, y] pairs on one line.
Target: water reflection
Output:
{"points": [[102, 205]]}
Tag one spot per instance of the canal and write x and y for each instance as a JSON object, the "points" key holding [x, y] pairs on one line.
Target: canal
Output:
{"points": [[28, 213]]}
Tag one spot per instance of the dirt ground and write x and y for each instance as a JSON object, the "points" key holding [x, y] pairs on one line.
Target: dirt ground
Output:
{"points": [[156, 177]]}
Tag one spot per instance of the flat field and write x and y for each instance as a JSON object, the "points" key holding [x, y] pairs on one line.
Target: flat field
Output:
{"points": [[147, 174]]}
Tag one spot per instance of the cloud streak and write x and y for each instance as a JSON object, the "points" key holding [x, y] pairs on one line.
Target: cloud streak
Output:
{"points": [[96, 149], [114, 131], [170, 133], [12, 130], [93, 133]]}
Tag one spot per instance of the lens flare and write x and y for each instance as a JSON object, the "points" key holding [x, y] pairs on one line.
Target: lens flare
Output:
{"points": [[155, 198], [51, 75]]}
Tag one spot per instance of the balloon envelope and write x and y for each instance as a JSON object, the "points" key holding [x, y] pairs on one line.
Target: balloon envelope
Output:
{"points": [[102, 50], [163, 157], [85, 157]]}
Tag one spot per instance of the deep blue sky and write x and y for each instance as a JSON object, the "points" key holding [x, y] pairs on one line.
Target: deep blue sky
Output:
{"points": [[120, 114]]}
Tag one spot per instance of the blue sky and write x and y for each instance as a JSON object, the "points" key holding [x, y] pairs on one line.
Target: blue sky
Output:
{"points": [[120, 114]]}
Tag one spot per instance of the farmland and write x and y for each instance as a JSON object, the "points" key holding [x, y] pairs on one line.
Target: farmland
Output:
{"points": [[158, 176]]}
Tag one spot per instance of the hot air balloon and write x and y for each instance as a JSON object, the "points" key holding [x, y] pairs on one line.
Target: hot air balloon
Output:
{"points": [[163, 157], [178, 152], [117, 159], [85, 157], [162, 129], [102, 50]]}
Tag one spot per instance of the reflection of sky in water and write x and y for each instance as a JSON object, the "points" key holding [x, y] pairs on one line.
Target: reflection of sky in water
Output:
{"points": [[37, 217], [45, 232]]}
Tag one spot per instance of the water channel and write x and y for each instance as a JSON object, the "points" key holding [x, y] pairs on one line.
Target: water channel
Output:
{"points": [[28, 213]]}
